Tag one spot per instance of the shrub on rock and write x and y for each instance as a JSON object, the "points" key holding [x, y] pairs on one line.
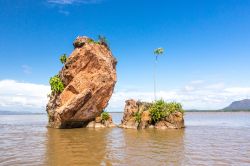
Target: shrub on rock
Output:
{"points": [[63, 58], [105, 116], [161, 109], [56, 84]]}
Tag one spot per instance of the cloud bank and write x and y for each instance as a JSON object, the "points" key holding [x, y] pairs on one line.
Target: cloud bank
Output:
{"points": [[195, 95], [21, 96]]}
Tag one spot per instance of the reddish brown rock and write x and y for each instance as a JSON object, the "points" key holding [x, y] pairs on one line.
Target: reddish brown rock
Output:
{"points": [[137, 116], [89, 77], [132, 109], [99, 123], [128, 120], [176, 119], [145, 119]]}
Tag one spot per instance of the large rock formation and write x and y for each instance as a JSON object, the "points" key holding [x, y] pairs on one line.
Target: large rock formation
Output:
{"points": [[137, 116], [89, 77]]}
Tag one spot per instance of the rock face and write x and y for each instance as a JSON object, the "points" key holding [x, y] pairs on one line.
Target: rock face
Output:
{"points": [[137, 116], [89, 77]]}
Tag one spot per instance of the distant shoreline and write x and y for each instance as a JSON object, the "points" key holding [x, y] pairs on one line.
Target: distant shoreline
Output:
{"points": [[198, 111]]}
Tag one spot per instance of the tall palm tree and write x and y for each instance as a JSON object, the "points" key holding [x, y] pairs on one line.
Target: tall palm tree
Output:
{"points": [[157, 52]]}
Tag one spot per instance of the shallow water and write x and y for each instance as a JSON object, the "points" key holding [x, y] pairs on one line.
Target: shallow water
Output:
{"points": [[208, 139]]}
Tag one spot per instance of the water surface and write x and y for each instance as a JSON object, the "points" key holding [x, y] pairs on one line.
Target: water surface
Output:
{"points": [[208, 139]]}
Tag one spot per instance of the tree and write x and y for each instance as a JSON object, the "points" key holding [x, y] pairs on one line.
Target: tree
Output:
{"points": [[103, 41], [157, 52]]}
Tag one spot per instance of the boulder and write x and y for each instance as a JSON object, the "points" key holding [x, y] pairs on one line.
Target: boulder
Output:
{"points": [[128, 120], [132, 109], [99, 123], [89, 77], [145, 119], [176, 119]]}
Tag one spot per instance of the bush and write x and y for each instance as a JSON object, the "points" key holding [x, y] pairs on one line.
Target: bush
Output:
{"points": [[161, 109], [174, 107], [103, 41], [105, 116], [92, 41], [78, 44], [56, 84], [137, 116], [158, 110], [63, 58]]}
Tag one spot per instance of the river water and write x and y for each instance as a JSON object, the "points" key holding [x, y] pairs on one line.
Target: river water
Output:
{"points": [[208, 139]]}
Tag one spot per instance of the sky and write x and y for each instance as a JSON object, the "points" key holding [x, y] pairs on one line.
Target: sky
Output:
{"points": [[205, 64]]}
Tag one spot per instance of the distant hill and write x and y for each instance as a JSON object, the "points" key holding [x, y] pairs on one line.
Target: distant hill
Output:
{"points": [[196, 110], [242, 105]]}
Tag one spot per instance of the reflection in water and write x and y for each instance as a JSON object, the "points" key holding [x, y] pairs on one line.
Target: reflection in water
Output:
{"points": [[76, 146], [154, 146], [114, 147]]}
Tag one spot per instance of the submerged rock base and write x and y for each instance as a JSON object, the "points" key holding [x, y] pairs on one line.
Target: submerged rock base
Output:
{"points": [[100, 123], [137, 116]]}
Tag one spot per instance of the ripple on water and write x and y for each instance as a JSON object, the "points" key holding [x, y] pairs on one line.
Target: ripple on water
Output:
{"points": [[208, 139]]}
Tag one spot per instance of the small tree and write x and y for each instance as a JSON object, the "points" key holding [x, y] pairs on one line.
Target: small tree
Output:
{"points": [[63, 58], [56, 84], [157, 52], [103, 41]]}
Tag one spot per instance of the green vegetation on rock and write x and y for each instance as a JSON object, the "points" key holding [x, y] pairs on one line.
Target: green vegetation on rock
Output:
{"points": [[78, 44], [92, 41], [161, 109], [103, 40], [137, 116], [56, 84], [105, 116], [63, 58]]}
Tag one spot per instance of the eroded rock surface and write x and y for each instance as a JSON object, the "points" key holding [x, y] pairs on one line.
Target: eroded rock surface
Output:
{"points": [[100, 123], [89, 77], [137, 116]]}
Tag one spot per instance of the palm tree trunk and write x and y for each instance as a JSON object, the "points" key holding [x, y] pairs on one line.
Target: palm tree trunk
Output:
{"points": [[155, 65]]}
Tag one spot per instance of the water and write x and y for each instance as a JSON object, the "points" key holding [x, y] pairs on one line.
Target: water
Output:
{"points": [[208, 139]]}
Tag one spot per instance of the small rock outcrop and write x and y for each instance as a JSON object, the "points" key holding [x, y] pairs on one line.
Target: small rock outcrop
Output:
{"points": [[89, 77], [137, 116], [99, 122]]}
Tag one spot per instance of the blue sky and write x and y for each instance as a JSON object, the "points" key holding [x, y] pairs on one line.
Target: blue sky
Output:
{"points": [[205, 65]]}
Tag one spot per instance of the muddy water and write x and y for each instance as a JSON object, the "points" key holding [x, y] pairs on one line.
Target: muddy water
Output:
{"points": [[208, 139]]}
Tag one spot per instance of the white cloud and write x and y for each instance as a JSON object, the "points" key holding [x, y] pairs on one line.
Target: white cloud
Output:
{"points": [[70, 2], [19, 96], [61, 5], [196, 95]]}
